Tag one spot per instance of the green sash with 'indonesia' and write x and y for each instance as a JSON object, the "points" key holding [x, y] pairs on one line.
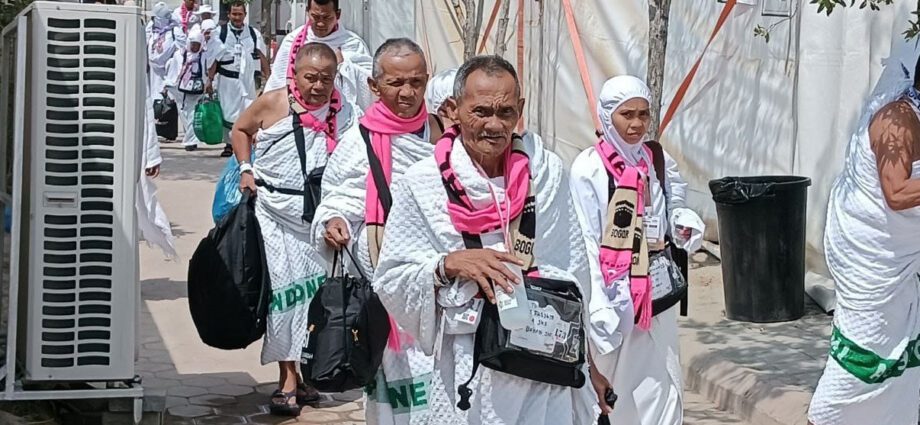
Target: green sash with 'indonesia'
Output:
{"points": [[868, 366]]}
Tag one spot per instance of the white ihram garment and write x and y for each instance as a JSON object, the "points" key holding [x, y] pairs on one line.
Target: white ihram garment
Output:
{"points": [[419, 232], [236, 94], [151, 219], [402, 391], [873, 255], [353, 72], [296, 268]]}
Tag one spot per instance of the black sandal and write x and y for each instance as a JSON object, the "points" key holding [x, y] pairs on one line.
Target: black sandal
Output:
{"points": [[306, 395], [279, 404]]}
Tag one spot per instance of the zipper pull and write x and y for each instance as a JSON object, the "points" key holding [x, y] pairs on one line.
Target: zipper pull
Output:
{"points": [[354, 334]]}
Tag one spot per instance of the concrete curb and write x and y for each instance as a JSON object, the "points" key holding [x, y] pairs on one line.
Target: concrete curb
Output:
{"points": [[738, 391]]}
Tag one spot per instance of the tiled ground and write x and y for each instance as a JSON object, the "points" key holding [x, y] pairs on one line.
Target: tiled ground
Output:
{"points": [[205, 386]]}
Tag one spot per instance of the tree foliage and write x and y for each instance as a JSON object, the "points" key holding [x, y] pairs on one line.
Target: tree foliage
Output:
{"points": [[10, 9]]}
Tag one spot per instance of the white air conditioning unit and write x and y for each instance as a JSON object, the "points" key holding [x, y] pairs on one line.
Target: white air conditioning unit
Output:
{"points": [[81, 140]]}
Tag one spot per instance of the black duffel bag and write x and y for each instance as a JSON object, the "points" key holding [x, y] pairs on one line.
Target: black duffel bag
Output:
{"points": [[347, 330], [228, 282], [550, 350]]}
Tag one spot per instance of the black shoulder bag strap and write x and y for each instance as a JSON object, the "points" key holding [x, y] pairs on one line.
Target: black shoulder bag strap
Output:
{"points": [[223, 33], [679, 256], [383, 190], [301, 143]]}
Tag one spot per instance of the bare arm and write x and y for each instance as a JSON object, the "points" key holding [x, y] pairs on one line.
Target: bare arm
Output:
{"points": [[266, 68], [894, 135], [212, 72]]}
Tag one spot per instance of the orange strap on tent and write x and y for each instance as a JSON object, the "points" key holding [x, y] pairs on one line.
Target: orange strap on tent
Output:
{"points": [[485, 35], [520, 52], [580, 59], [682, 90]]}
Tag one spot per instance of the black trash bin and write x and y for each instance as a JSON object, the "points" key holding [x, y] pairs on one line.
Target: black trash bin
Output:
{"points": [[762, 241]]}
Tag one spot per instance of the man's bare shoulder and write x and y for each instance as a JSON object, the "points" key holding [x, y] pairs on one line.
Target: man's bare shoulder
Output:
{"points": [[895, 124]]}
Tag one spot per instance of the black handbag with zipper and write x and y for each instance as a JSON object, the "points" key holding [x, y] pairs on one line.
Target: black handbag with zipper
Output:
{"points": [[347, 330]]}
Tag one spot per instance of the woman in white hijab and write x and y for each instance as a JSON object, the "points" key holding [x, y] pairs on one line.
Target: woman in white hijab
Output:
{"points": [[188, 82], [440, 89], [628, 208]]}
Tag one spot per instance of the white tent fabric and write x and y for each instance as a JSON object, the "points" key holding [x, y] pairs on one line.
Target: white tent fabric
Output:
{"points": [[755, 108]]}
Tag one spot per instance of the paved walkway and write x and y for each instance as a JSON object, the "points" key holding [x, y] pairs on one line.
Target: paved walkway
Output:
{"points": [[205, 386]]}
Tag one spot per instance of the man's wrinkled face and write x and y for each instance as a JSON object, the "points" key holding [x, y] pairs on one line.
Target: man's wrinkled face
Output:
{"points": [[315, 78], [401, 85], [488, 112], [190, 4], [323, 18], [237, 16]]}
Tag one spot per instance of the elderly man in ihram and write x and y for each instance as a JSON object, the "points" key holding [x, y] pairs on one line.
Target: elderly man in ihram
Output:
{"points": [[873, 220], [466, 224], [353, 214], [293, 132]]}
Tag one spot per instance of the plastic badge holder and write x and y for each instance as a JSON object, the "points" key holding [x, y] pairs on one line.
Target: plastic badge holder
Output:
{"points": [[555, 329], [513, 308]]}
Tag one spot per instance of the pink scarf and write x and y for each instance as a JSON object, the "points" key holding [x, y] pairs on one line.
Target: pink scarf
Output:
{"points": [[383, 124], [302, 109], [616, 263], [184, 14], [463, 215]]}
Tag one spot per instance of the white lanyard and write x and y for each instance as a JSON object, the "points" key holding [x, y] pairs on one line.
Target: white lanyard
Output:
{"points": [[504, 218]]}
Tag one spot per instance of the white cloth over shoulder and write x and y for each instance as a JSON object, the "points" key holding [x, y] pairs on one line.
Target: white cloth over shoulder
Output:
{"points": [[870, 248], [420, 231], [151, 219], [353, 72], [296, 268]]}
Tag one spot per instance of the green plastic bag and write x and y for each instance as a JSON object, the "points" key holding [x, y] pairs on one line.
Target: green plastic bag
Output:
{"points": [[209, 122]]}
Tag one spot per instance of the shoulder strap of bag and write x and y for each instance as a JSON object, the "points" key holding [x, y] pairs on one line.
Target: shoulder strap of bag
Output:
{"points": [[255, 44], [223, 33], [383, 191], [301, 143], [463, 390], [678, 256]]}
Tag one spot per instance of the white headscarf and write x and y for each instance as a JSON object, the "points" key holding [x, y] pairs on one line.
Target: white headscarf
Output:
{"points": [[440, 87], [162, 18], [615, 92]]}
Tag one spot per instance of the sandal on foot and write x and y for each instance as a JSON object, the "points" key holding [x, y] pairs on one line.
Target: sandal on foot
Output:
{"points": [[306, 394], [279, 404]]}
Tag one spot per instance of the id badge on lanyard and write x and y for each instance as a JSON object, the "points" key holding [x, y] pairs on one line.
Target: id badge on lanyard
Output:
{"points": [[238, 49]]}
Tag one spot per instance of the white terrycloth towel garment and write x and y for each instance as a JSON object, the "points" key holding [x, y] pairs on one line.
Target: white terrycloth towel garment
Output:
{"points": [[296, 268], [419, 231], [353, 72], [401, 394], [873, 256]]}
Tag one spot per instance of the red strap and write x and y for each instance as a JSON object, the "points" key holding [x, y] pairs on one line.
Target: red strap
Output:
{"points": [[682, 90], [485, 35], [580, 59]]}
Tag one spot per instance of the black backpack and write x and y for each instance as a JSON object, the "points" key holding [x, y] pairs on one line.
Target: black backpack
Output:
{"points": [[347, 330], [228, 281]]}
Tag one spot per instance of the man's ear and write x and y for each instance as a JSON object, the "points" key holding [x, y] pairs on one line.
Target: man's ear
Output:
{"points": [[375, 89], [452, 108], [338, 14]]}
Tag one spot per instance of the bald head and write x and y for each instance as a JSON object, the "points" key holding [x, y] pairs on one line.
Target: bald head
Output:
{"points": [[317, 53]]}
